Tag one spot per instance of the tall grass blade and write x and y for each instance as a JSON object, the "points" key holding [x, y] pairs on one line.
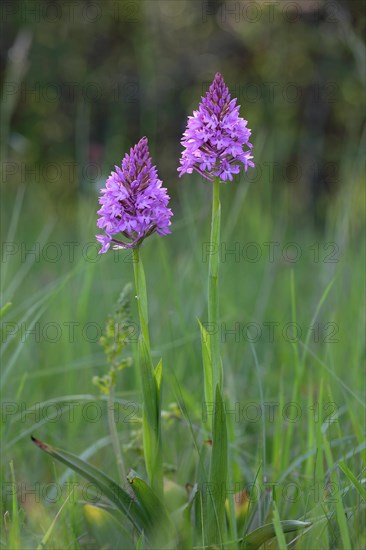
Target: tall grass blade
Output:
{"points": [[353, 479]]}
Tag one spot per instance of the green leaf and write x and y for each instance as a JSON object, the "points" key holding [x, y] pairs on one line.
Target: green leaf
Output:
{"points": [[209, 496], [150, 383], [151, 418], [107, 486], [255, 539], [199, 498], [154, 509], [218, 471]]}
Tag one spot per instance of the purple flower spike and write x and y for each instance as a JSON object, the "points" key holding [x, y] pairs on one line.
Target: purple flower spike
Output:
{"points": [[216, 136], [134, 203]]}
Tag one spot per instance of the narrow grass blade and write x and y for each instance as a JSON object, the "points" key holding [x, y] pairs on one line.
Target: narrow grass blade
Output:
{"points": [[278, 529], [353, 479], [340, 511], [14, 529], [314, 318], [10, 236], [48, 533]]}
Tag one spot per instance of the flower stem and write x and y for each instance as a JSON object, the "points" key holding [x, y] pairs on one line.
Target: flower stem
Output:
{"points": [[213, 291], [150, 388], [141, 295], [219, 457]]}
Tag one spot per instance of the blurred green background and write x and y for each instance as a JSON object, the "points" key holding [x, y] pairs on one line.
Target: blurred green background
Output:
{"points": [[81, 83], [84, 80]]}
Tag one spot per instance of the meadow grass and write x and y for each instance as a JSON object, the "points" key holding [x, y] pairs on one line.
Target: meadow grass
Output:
{"points": [[295, 406]]}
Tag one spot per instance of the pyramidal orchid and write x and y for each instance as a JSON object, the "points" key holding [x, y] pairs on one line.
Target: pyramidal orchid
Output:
{"points": [[216, 141], [216, 145], [135, 205], [134, 202]]}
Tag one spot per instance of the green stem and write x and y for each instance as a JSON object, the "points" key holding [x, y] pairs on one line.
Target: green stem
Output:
{"points": [[218, 462], [141, 295], [150, 390], [213, 290]]}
